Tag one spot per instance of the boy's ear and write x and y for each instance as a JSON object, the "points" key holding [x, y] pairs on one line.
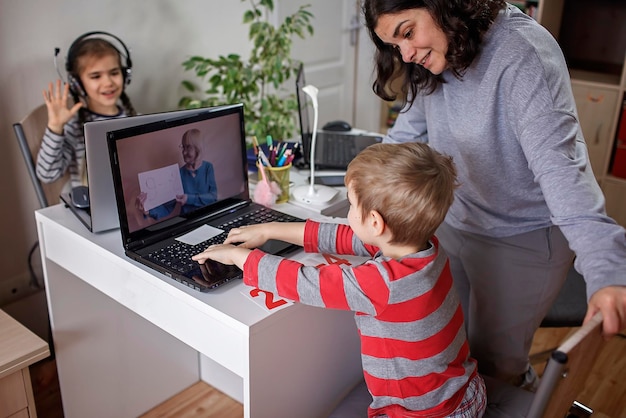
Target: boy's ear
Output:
{"points": [[377, 223]]}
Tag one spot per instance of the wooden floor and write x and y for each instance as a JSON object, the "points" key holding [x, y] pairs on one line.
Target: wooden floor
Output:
{"points": [[45, 381], [198, 401], [605, 391]]}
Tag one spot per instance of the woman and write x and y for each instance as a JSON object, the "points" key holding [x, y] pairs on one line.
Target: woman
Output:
{"points": [[197, 177], [489, 86]]}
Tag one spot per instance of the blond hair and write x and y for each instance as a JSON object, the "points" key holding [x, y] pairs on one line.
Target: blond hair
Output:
{"points": [[409, 184]]}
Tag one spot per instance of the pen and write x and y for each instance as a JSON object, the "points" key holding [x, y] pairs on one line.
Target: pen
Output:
{"points": [[264, 158], [290, 159], [273, 156], [255, 144], [282, 150], [283, 159]]}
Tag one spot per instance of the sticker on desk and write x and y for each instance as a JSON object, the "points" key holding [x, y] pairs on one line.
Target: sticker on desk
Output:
{"points": [[267, 300]]}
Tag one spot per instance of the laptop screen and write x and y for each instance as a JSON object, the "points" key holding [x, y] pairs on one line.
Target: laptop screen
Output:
{"points": [[172, 172], [303, 109], [103, 209]]}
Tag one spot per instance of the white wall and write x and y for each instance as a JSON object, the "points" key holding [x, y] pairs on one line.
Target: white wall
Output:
{"points": [[160, 38], [161, 34]]}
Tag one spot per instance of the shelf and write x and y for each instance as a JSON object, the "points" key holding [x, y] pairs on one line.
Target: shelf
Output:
{"points": [[616, 180], [592, 38], [594, 78]]}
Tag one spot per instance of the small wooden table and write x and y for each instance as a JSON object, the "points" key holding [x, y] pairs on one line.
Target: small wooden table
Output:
{"points": [[19, 348]]}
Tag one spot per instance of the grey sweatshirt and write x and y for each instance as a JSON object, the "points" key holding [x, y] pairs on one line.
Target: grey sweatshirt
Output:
{"points": [[511, 126]]}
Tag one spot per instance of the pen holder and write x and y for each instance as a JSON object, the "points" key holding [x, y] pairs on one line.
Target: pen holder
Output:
{"points": [[281, 176]]}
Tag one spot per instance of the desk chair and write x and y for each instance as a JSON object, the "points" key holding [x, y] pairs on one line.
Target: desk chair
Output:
{"points": [[563, 379], [29, 132], [568, 310], [570, 306]]}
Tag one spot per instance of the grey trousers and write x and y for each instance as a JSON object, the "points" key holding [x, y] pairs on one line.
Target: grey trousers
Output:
{"points": [[506, 286]]}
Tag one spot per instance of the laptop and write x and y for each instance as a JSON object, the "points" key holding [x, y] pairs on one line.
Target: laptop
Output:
{"points": [[101, 215], [168, 213], [334, 149]]}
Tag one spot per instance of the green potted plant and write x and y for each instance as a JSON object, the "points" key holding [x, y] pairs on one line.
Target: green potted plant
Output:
{"points": [[258, 81]]}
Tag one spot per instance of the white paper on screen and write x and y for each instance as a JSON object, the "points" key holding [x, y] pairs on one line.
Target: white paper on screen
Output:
{"points": [[160, 185]]}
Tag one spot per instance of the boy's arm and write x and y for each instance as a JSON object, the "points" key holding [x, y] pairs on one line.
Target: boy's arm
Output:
{"points": [[336, 286], [335, 239], [253, 236]]}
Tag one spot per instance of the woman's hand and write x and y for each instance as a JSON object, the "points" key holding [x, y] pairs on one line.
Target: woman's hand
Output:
{"points": [[182, 199], [611, 301], [139, 202], [56, 102]]}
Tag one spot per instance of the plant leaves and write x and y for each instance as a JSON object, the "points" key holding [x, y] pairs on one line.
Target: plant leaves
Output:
{"points": [[257, 82]]}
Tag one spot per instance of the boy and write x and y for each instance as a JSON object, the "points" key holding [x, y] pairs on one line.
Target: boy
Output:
{"points": [[413, 345]]}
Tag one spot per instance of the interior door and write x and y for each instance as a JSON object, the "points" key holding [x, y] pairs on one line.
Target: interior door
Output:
{"points": [[337, 60]]}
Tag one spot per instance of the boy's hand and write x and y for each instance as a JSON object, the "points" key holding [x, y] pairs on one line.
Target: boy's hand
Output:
{"points": [[225, 254], [249, 236]]}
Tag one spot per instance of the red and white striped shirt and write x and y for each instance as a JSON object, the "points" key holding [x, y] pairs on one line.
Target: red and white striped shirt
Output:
{"points": [[414, 349]]}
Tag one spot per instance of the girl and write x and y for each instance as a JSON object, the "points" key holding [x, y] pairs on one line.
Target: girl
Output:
{"points": [[96, 80]]}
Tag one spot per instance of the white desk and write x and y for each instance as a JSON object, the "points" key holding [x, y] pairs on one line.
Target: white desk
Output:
{"points": [[127, 338]]}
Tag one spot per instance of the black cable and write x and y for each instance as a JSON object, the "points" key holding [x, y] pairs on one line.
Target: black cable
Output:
{"points": [[33, 277]]}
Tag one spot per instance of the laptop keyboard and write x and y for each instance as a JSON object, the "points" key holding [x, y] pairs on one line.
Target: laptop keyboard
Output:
{"points": [[338, 151], [178, 255]]}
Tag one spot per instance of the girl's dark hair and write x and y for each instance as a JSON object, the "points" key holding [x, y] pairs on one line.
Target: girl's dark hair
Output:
{"points": [[96, 47], [464, 22]]}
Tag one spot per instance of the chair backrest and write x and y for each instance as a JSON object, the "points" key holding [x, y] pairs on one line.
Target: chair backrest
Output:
{"points": [[567, 371], [562, 381], [29, 132], [570, 307]]}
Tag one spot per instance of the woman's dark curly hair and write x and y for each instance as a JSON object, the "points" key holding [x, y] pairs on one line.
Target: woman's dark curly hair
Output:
{"points": [[464, 22]]}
